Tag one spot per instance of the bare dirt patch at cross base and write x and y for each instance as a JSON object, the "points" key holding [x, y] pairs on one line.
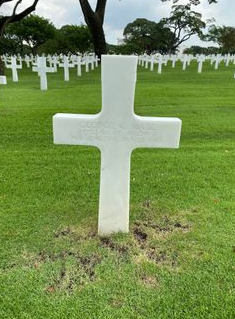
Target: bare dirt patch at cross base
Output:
{"points": [[74, 268]]}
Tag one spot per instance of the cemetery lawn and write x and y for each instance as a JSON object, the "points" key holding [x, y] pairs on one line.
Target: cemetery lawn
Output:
{"points": [[178, 260]]}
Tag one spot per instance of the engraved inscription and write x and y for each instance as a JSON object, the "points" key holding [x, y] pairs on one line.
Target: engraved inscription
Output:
{"points": [[89, 132]]}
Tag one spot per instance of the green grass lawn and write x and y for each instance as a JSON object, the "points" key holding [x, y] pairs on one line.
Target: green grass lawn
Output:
{"points": [[178, 260]]}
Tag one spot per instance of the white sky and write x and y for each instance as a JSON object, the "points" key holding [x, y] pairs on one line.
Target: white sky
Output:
{"points": [[120, 13]]}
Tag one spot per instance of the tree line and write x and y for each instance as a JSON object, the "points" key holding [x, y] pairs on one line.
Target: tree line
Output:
{"points": [[94, 18], [141, 35], [36, 35]]}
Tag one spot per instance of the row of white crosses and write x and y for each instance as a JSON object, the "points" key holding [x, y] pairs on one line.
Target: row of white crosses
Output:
{"points": [[89, 60], [116, 131], [66, 63], [39, 64], [185, 59]]}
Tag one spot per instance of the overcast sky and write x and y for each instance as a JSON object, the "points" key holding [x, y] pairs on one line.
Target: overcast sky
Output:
{"points": [[120, 13]]}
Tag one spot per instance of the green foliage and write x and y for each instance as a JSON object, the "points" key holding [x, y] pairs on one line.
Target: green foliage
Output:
{"points": [[193, 2], [49, 47], [9, 46], [42, 37], [194, 50], [184, 23], [143, 35], [224, 36], [73, 38], [69, 39], [126, 48], [33, 29], [13, 46], [166, 35]]}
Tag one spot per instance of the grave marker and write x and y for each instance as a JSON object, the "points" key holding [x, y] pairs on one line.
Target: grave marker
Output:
{"points": [[152, 62], [200, 61], [66, 65], [159, 70], [78, 62], [27, 60], [174, 60], [14, 66], [55, 62], [116, 131], [42, 70]]}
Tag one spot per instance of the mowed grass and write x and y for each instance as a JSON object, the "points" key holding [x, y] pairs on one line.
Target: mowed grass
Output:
{"points": [[178, 260]]}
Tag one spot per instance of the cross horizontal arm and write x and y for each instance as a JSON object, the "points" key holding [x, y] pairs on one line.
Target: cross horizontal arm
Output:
{"points": [[76, 129], [43, 70], [157, 132]]}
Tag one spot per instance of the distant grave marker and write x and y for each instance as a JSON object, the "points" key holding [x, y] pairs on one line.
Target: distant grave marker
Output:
{"points": [[55, 62], [160, 62], [174, 60], [152, 62], [78, 62], [27, 60], [66, 65], [42, 70], [201, 59], [14, 67]]}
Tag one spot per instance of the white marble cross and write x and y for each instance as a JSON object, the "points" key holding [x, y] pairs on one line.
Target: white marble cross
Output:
{"points": [[27, 60], [55, 62], [227, 59], [14, 66], [66, 65], [42, 70], [92, 61], [160, 62], [5, 59], [184, 61], [97, 61], [77, 60], [50, 60], [147, 62], [152, 62], [217, 61], [174, 60], [86, 62], [116, 131], [143, 59], [201, 59]]}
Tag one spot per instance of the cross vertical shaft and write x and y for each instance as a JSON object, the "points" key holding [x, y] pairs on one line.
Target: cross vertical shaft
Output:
{"points": [[118, 90], [114, 190]]}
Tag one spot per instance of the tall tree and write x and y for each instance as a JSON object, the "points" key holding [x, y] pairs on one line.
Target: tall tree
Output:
{"points": [[69, 39], [95, 20], [224, 36], [32, 30], [147, 36], [13, 17], [184, 23], [74, 38]]}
